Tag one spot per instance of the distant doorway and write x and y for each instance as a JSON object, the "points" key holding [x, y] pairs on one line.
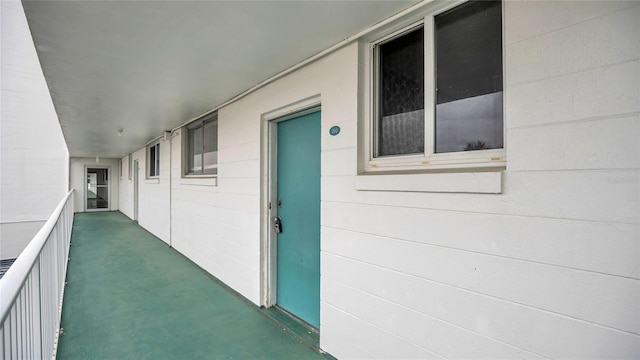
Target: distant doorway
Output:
{"points": [[97, 189]]}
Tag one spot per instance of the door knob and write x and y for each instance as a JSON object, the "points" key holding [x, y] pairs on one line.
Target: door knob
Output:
{"points": [[277, 224]]}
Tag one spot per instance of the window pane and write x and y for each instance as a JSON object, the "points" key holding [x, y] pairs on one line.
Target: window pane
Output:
{"points": [[157, 149], [102, 188], [210, 157], [469, 77], [195, 151], [401, 95], [152, 161]]}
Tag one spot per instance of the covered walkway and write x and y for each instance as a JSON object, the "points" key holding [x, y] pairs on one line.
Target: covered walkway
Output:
{"points": [[130, 296]]}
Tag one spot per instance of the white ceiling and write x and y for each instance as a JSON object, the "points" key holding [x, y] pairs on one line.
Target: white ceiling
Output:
{"points": [[149, 66]]}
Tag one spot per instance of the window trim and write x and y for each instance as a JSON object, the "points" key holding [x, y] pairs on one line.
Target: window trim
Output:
{"points": [[155, 145], [186, 145], [490, 159]]}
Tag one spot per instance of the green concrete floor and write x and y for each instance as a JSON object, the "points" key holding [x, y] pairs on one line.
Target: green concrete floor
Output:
{"points": [[130, 296]]}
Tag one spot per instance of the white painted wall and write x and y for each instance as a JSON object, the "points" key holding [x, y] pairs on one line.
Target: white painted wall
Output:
{"points": [[153, 196], [125, 188], [33, 154], [216, 226], [78, 179], [549, 267]]}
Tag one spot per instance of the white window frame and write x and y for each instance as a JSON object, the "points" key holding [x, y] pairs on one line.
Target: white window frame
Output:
{"points": [[156, 147], [490, 159], [186, 145]]}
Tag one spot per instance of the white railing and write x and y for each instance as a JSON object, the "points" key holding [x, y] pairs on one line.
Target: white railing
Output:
{"points": [[31, 290]]}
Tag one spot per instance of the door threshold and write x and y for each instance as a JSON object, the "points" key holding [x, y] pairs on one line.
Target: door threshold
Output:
{"points": [[300, 330]]}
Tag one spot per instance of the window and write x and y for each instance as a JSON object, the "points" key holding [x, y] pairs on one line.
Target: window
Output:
{"points": [[120, 162], [201, 147], [130, 167], [436, 92], [153, 159]]}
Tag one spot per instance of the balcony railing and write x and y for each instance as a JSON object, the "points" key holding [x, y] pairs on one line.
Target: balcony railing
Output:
{"points": [[32, 289]]}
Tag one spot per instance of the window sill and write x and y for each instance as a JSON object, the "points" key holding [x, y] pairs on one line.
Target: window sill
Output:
{"points": [[200, 181], [152, 181], [473, 182]]}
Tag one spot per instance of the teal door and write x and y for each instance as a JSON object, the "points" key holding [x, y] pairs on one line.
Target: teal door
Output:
{"points": [[298, 189]]}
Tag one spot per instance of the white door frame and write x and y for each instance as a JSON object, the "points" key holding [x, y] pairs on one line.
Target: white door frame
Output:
{"points": [[269, 196], [109, 187], [136, 188]]}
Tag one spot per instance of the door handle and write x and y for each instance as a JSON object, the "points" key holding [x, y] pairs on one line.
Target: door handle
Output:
{"points": [[277, 224]]}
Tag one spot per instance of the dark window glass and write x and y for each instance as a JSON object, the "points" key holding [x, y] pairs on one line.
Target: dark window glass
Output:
{"points": [[154, 160], [401, 95], [469, 77]]}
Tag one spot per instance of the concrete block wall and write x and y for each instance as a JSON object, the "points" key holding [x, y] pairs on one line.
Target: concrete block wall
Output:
{"points": [[34, 160], [215, 221], [153, 194], [34, 178], [547, 268], [125, 193]]}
